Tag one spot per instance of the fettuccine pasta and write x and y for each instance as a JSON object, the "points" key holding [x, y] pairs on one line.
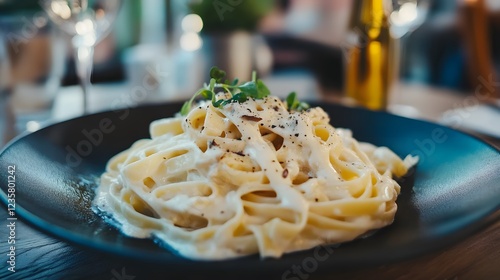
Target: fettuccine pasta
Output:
{"points": [[250, 177]]}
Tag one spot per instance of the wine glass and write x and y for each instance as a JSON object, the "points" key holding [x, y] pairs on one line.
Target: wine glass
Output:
{"points": [[404, 18], [32, 53], [87, 21]]}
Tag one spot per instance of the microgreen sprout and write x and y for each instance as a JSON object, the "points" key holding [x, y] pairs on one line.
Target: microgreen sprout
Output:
{"points": [[294, 104]]}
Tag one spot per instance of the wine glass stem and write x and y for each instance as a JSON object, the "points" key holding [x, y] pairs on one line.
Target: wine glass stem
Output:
{"points": [[84, 61]]}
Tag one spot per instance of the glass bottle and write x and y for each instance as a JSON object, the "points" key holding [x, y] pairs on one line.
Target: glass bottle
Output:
{"points": [[372, 55]]}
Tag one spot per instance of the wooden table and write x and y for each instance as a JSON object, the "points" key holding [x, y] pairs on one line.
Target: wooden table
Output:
{"points": [[39, 256]]}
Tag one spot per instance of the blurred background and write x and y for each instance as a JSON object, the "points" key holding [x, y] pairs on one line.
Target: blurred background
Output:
{"points": [[159, 50]]}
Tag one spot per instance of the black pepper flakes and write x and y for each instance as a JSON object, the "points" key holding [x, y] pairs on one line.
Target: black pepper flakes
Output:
{"points": [[213, 144], [251, 118], [285, 173], [240, 153]]}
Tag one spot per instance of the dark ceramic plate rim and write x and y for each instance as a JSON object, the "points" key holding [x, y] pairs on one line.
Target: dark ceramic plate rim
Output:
{"points": [[268, 264]]}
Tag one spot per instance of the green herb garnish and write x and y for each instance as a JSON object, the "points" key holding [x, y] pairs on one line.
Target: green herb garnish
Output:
{"points": [[217, 74], [255, 89], [294, 104]]}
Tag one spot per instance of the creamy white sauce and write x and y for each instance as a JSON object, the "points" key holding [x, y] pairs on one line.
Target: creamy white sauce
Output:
{"points": [[200, 215]]}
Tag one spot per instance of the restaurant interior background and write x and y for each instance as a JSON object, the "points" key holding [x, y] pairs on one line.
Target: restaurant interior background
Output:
{"points": [[438, 61], [160, 50]]}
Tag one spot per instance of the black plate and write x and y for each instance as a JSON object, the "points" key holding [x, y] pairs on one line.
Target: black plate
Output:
{"points": [[453, 189]]}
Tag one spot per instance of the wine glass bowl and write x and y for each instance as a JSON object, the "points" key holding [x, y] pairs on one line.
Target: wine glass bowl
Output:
{"points": [[87, 22], [407, 15], [80, 17]]}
